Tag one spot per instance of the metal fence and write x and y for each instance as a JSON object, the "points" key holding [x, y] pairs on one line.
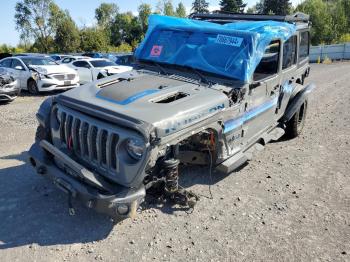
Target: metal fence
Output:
{"points": [[333, 52]]}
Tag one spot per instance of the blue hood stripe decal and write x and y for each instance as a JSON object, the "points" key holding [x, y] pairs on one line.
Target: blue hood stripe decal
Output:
{"points": [[130, 99]]}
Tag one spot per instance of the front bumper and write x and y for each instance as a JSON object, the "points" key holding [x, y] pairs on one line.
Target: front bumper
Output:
{"points": [[49, 84], [116, 201], [9, 94]]}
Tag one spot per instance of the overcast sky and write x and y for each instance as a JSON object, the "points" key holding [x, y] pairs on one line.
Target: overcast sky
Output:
{"points": [[83, 12]]}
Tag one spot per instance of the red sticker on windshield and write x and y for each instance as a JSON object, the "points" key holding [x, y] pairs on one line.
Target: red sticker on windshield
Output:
{"points": [[156, 50]]}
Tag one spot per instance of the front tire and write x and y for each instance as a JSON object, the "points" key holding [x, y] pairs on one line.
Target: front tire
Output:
{"points": [[296, 124], [32, 87]]}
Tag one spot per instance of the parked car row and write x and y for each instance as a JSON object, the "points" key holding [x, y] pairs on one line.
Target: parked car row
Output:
{"points": [[42, 73]]}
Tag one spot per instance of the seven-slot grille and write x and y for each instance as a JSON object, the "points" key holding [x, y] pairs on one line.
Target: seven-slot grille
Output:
{"points": [[62, 77], [97, 146]]}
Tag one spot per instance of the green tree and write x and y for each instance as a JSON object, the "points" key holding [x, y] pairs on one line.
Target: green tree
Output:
{"points": [[169, 8], [105, 13], [181, 10], [66, 33], [346, 8], [126, 28], [144, 12], [67, 37], [339, 19], [32, 21], [277, 7], [93, 39], [200, 6], [234, 6], [321, 18]]}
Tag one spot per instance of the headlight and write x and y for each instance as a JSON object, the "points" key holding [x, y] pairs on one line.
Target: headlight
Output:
{"points": [[43, 76], [135, 148]]}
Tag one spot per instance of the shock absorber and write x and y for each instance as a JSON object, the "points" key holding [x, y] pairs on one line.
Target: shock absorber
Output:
{"points": [[171, 170], [172, 189]]}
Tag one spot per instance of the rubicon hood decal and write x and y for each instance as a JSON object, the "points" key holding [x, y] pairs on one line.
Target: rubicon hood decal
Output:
{"points": [[128, 100]]}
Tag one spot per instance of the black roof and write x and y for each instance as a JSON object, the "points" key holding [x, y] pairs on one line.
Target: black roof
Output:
{"points": [[222, 17]]}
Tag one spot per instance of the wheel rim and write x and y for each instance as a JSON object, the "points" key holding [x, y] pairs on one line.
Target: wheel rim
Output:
{"points": [[32, 87]]}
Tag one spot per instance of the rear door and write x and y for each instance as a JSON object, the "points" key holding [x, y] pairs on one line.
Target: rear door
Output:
{"points": [[260, 108], [84, 70], [289, 67]]}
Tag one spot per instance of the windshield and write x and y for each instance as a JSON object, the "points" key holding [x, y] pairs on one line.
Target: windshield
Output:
{"points": [[102, 63], [38, 61], [232, 50], [212, 52]]}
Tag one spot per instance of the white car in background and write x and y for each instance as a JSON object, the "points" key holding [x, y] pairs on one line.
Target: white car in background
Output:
{"points": [[70, 58], [91, 69], [40, 74]]}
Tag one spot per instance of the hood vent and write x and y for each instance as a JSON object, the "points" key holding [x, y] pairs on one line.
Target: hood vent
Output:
{"points": [[170, 98]]}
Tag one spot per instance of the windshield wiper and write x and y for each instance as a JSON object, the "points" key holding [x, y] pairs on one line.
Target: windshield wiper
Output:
{"points": [[160, 68], [203, 79]]}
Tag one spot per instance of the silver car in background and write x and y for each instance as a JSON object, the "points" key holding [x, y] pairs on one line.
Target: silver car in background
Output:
{"points": [[40, 74], [9, 88]]}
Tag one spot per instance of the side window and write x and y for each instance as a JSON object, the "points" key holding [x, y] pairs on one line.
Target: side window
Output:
{"points": [[304, 45], [6, 63], [289, 52], [15, 63], [66, 60], [268, 65], [81, 64]]}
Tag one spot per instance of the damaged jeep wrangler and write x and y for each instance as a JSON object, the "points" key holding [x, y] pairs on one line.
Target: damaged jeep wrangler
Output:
{"points": [[213, 88]]}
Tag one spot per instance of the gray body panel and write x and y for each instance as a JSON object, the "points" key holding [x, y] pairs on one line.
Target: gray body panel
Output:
{"points": [[138, 98], [168, 111]]}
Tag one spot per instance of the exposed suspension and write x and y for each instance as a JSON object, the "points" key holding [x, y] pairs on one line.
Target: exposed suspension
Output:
{"points": [[172, 189]]}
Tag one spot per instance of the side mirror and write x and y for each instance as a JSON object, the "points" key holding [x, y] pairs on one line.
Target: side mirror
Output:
{"points": [[19, 67], [254, 85]]}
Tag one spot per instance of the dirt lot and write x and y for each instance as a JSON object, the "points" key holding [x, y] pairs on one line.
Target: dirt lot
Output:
{"points": [[291, 203]]}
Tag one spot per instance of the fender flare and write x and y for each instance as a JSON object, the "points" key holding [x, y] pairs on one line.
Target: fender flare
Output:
{"points": [[43, 114], [295, 103]]}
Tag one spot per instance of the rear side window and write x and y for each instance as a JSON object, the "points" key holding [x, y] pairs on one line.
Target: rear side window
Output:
{"points": [[268, 65], [81, 64], [6, 63], [304, 45], [67, 60], [289, 52], [15, 63]]}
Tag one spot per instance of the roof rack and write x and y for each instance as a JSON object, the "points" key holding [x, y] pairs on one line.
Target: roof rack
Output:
{"points": [[223, 17]]}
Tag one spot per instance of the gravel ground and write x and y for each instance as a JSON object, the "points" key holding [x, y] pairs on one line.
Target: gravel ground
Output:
{"points": [[290, 203]]}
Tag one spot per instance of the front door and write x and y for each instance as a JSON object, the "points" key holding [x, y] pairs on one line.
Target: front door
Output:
{"points": [[260, 107], [20, 73]]}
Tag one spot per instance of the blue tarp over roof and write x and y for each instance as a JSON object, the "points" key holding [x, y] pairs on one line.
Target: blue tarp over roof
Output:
{"points": [[233, 50]]}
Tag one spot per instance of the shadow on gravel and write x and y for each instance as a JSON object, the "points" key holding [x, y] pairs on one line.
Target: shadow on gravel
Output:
{"points": [[32, 210], [25, 93]]}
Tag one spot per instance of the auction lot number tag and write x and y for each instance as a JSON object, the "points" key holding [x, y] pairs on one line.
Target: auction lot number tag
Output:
{"points": [[229, 40]]}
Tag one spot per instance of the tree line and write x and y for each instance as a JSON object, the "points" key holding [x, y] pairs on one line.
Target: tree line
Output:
{"points": [[45, 27]]}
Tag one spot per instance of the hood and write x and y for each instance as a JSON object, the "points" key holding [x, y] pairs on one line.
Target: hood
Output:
{"points": [[117, 69], [54, 69], [167, 104]]}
